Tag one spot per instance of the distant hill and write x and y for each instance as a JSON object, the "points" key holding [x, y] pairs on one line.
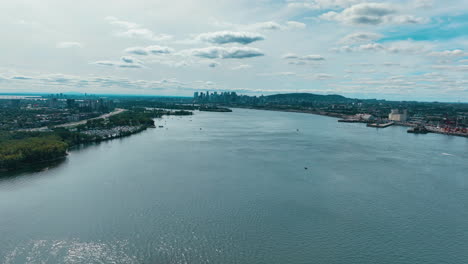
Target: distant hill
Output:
{"points": [[307, 97]]}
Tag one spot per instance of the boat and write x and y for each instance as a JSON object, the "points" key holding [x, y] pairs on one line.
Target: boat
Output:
{"points": [[420, 129]]}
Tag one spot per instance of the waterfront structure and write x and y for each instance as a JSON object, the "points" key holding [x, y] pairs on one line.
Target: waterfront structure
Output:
{"points": [[398, 116]]}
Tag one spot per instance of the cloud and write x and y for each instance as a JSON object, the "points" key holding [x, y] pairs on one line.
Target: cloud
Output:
{"points": [[213, 64], [391, 64], [410, 47], [125, 62], [294, 59], [225, 52], [241, 67], [317, 76], [371, 14], [21, 78], [321, 4], [371, 47], [292, 56], [423, 3], [125, 24], [460, 68], [127, 59], [112, 84], [360, 37], [295, 25], [224, 37], [323, 76], [144, 51], [137, 51], [449, 53], [272, 26], [133, 30], [71, 44], [268, 25]]}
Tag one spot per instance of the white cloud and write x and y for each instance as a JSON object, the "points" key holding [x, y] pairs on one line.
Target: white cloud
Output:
{"points": [[371, 47], [307, 76], [144, 51], [323, 76], [303, 59], [321, 4], [449, 53], [215, 52], [241, 67], [224, 37], [461, 68], [272, 26], [410, 47], [371, 14], [360, 37], [69, 44], [99, 83], [125, 62], [268, 25], [133, 30], [295, 25], [423, 3]]}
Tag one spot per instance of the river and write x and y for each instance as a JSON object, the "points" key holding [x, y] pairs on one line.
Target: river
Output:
{"points": [[244, 187]]}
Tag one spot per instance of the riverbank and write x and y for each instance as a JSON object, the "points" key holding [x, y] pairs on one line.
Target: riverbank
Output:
{"points": [[24, 148], [344, 117]]}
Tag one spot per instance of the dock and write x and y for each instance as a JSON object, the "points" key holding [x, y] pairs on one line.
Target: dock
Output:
{"points": [[351, 121], [380, 125]]}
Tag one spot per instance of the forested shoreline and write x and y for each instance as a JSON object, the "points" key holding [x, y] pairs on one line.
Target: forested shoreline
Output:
{"points": [[20, 148]]}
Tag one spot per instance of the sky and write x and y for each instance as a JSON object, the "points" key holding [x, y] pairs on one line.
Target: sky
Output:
{"points": [[395, 50]]}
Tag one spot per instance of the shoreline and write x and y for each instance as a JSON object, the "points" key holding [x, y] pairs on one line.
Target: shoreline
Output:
{"points": [[129, 123], [70, 148], [431, 130]]}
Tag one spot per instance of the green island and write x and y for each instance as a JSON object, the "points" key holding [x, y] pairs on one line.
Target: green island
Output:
{"points": [[22, 148]]}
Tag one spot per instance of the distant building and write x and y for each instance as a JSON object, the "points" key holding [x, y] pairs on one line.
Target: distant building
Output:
{"points": [[365, 117], [70, 103], [398, 116], [53, 103]]}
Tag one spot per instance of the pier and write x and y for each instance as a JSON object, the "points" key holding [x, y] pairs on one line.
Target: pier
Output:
{"points": [[378, 125]]}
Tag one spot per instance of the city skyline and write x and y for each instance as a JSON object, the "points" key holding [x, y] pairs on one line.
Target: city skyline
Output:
{"points": [[394, 50]]}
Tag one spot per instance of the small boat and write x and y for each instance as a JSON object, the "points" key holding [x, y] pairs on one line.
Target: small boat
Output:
{"points": [[418, 130]]}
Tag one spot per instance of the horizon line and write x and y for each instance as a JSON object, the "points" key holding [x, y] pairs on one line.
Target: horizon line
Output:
{"points": [[181, 96]]}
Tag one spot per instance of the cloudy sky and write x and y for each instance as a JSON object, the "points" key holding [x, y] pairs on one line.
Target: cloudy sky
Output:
{"points": [[414, 49]]}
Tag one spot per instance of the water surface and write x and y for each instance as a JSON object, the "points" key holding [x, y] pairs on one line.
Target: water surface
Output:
{"points": [[245, 187]]}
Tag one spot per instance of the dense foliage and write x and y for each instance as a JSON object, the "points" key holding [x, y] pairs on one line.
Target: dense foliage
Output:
{"points": [[17, 149]]}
